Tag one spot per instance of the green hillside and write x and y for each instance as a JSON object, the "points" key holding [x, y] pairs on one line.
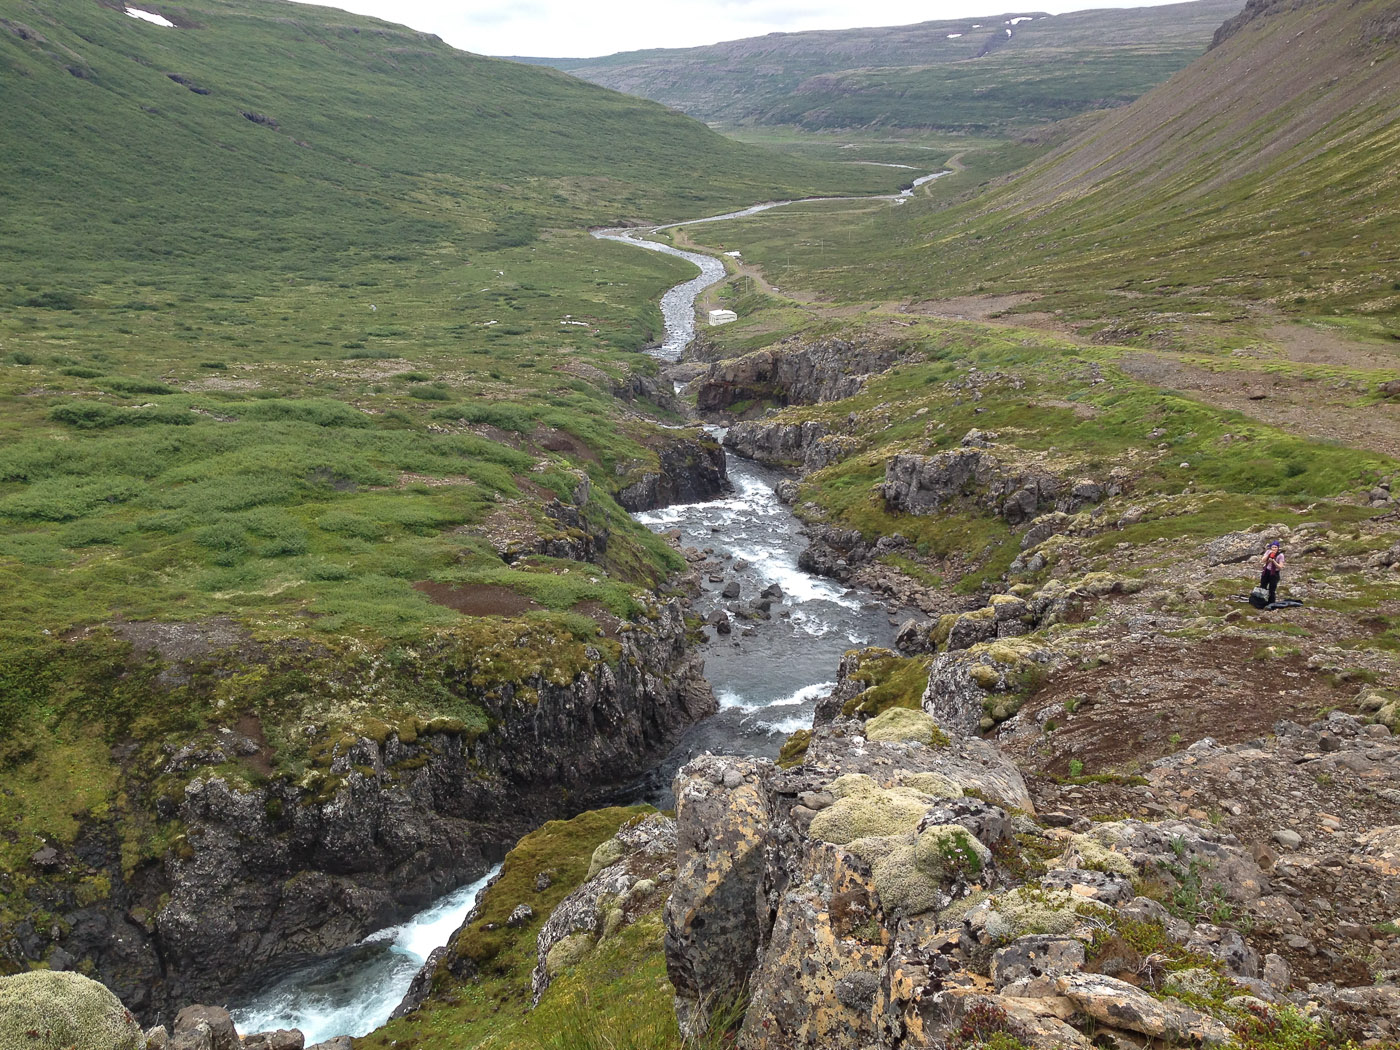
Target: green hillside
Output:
{"points": [[1260, 180], [298, 310], [971, 74], [260, 207]]}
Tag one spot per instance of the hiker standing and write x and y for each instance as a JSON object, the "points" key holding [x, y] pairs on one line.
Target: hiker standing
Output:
{"points": [[1273, 568]]}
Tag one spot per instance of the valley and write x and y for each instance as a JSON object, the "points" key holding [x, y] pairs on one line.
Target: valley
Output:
{"points": [[379, 525]]}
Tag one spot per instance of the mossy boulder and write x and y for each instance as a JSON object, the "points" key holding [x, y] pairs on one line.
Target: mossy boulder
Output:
{"points": [[1089, 854], [934, 785], [946, 852], [607, 853], [567, 952], [46, 1010], [869, 811], [904, 888], [903, 724], [1102, 583]]}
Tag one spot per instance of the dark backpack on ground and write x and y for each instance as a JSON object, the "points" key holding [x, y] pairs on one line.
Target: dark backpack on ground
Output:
{"points": [[1259, 597]]}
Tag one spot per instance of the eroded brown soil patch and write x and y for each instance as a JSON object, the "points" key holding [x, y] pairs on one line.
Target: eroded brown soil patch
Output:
{"points": [[476, 599], [1320, 409], [1164, 697], [970, 307]]}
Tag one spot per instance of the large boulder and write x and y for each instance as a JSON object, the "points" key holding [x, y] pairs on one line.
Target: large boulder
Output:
{"points": [[817, 983], [712, 936], [50, 1010]]}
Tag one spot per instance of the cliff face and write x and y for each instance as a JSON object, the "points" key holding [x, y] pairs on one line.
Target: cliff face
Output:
{"points": [[793, 374], [1255, 9], [691, 470], [274, 869]]}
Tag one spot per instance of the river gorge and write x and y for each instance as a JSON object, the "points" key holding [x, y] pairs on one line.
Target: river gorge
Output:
{"points": [[782, 636]]}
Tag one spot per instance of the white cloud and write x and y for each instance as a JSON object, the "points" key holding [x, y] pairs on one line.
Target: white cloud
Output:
{"points": [[559, 28]]}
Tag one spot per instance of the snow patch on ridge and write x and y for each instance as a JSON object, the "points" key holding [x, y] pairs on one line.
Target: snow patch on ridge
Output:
{"points": [[150, 16]]}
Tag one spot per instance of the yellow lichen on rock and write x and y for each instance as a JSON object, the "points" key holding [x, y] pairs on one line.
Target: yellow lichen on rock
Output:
{"points": [[870, 812], [1028, 909], [935, 785], [902, 724]]}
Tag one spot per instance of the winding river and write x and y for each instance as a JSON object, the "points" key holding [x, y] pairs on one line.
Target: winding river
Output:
{"points": [[768, 675]]}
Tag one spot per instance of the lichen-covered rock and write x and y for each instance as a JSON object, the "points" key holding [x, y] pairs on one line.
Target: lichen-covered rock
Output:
{"points": [[794, 373], [1036, 956], [280, 1039], [1024, 911], [1237, 546], [1122, 1005], [1018, 492], [827, 928], [985, 681], [970, 762], [49, 1010], [870, 813], [902, 723], [193, 1021], [712, 937], [1149, 845], [1090, 853]]}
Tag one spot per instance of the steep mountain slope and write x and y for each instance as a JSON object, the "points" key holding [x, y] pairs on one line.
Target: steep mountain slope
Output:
{"points": [[290, 125], [1266, 170], [973, 73], [1261, 178]]}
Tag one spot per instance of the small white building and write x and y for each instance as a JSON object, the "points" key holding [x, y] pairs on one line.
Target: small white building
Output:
{"points": [[722, 316]]}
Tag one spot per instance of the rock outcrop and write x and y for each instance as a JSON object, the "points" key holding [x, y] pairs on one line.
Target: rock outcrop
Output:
{"points": [[793, 373], [624, 881], [893, 889], [809, 445], [691, 470], [382, 823], [1018, 492]]}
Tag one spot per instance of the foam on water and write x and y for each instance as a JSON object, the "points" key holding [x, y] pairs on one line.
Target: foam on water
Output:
{"points": [[787, 726], [353, 992]]}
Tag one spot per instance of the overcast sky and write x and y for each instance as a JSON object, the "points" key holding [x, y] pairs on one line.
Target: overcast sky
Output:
{"points": [[572, 29]]}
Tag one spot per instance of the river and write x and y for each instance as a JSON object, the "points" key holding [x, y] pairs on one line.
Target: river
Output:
{"points": [[768, 675], [352, 992]]}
